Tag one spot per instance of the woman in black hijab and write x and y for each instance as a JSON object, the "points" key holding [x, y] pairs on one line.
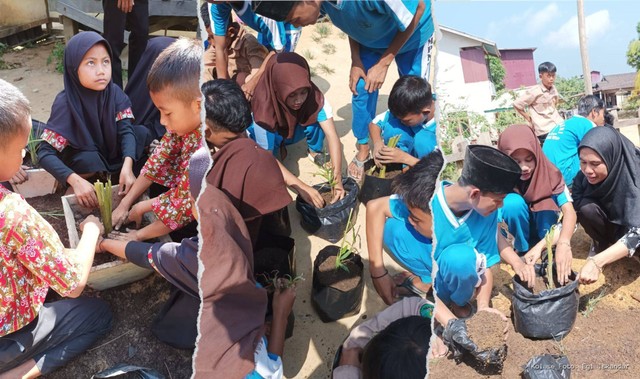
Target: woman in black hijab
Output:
{"points": [[606, 192]]}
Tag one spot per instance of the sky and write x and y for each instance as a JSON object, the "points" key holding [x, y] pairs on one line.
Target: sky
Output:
{"points": [[552, 28]]}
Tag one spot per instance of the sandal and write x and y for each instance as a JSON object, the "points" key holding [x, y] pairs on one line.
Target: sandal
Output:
{"points": [[320, 159], [407, 284], [360, 166]]}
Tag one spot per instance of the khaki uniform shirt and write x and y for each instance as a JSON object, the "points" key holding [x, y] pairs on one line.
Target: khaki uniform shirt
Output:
{"points": [[540, 103]]}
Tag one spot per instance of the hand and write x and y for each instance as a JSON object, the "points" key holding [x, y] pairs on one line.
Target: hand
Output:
{"points": [[350, 356], [126, 181], [338, 192], [125, 5], [564, 258], [375, 77], [98, 242], [135, 214], [283, 299], [357, 72], [526, 273], [385, 286], [589, 273], [532, 256], [376, 153], [85, 193], [129, 235], [91, 219], [311, 196], [249, 86], [119, 216], [388, 155], [21, 176]]}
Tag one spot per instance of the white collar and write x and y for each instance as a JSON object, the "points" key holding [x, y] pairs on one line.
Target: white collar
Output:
{"points": [[455, 221]]}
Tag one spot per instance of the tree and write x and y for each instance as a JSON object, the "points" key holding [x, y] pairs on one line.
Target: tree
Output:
{"points": [[570, 90], [633, 52], [497, 72]]}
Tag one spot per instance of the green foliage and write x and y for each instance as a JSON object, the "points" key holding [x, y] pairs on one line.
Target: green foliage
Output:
{"points": [[451, 172], [325, 69], [308, 54], [32, 144], [57, 56], [275, 281], [594, 300], [328, 48], [393, 142], [570, 90], [327, 173], [323, 30], [3, 49], [548, 239], [457, 121], [507, 118], [348, 247], [103, 192], [633, 52], [497, 72]]}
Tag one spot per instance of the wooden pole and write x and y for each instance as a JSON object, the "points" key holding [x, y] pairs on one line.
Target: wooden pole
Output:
{"points": [[584, 53]]}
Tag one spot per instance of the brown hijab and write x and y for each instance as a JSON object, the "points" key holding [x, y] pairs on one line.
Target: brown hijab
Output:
{"points": [[232, 314], [251, 178], [546, 179], [284, 74]]}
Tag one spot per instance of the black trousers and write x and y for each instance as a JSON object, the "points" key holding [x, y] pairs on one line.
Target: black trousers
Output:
{"points": [[596, 223], [115, 23]]}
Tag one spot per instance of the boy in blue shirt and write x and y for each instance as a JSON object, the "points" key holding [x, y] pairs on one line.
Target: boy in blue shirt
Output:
{"points": [[402, 223], [410, 108], [379, 32], [561, 145]]}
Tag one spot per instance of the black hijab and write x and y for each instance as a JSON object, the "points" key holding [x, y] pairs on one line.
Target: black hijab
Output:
{"points": [[87, 118], [143, 108], [619, 193]]}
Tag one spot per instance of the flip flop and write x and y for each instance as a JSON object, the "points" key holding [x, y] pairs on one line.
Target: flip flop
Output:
{"points": [[360, 165], [320, 159], [407, 284]]}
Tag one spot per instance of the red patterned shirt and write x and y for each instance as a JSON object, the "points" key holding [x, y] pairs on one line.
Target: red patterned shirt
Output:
{"points": [[32, 259], [168, 166]]}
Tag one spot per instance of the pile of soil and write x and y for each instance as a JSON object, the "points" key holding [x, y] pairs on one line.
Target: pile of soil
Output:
{"points": [[486, 329], [53, 205], [328, 197], [338, 278]]}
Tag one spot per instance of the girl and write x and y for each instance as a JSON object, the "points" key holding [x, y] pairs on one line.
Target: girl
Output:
{"points": [[90, 128], [288, 107], [540, 194], [606, 193]]}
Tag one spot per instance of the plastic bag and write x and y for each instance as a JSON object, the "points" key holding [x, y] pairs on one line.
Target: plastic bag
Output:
{"points": [[329, 222], [549, 314], [128, 371], [547, 367], [456, 337]]}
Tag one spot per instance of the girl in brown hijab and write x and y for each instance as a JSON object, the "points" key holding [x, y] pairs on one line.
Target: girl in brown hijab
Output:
{"points": [[539, 196], [287, 107]]}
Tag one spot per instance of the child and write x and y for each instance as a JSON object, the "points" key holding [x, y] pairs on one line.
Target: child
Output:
{"points": [[232, 341], [144, 111], [540, 195], [90, 128], [538, 104], [37, 337], [396, 337], [410, 107], [606, 194], [402, 222], [287, 107], [173, 87], [247, 174], [561, 145], [466, 231]]}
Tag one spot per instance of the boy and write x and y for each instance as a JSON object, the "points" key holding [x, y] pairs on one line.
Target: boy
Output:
{"points": [[541, 101], [410, 107], [561, 145], [379, 33], [468, 241], [38, 337], [403, 223], [173, 87]]}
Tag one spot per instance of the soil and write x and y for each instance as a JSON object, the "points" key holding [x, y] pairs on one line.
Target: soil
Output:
{"points": [[486, 329], [339, 279], [271, 261], [52, 204], [540, 285], [390, 174], [327, 197]]}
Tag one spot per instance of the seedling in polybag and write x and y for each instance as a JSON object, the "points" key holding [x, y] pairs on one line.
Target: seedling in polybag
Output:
{"points": [[348, 247]]}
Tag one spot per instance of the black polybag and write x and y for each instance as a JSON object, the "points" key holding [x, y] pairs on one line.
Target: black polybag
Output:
{"points": [[547, 367], [549, 314], [456, 337], [329, 222]]}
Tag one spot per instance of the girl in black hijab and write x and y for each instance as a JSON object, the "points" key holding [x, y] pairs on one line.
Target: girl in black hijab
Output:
{"points": [[606, 192], [90, 127]]}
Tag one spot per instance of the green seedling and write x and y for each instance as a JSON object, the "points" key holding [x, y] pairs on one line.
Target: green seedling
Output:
{"points": [[393, 142], [274, 280], [348, 247], [55, 213], [593, 301], [32, 144], [548, 239], [103, 192], [327, 172]]}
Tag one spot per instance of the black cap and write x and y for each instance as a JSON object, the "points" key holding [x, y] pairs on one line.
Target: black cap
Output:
{"points": [[275, 10], [490, 169]]}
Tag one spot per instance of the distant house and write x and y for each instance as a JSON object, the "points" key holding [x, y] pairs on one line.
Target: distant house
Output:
{"points": [[613, 89], [519, 67]]}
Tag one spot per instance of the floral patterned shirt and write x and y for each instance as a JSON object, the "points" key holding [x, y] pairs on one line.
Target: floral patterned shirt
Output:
{"points": [[631, 240], [32, 260], [168, 166]]}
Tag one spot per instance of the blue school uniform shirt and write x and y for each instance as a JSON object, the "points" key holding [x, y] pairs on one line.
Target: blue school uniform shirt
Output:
{"points": [[374, 23], [274, 35], [267, 365], [473, 229], [561, 145], [409, 142]]}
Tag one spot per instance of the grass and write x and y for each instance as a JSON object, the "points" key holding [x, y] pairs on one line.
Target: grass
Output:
{"points": [[323, 30], [560, 345], [593, 301], [325, 69], [274, 280], [57, 56], [451, 172], [54, 213], [32, 144], [328, 48], [308, 55]]}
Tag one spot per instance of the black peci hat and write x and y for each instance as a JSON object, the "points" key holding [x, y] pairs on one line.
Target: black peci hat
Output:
{"points": [[490, 169], [275, 10]]}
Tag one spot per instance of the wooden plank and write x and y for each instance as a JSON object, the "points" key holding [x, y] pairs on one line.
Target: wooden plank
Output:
{"points": [[627, 122], [11, 30], [40, 183], [70, 27]]}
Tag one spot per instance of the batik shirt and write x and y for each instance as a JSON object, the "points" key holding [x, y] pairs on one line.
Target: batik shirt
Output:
{"points": [[168, 166], [32, 261]]}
